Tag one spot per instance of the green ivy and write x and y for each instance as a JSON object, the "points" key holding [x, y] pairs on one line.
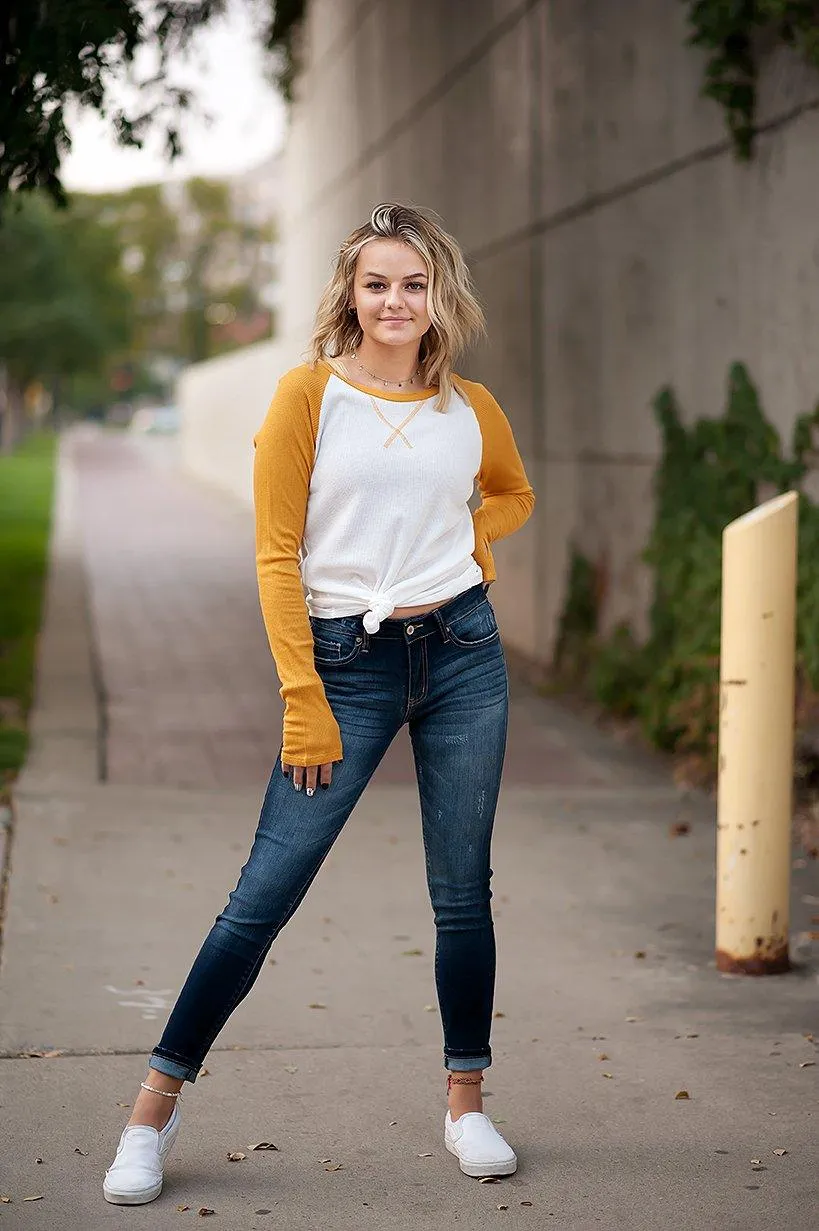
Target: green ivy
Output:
{"points": [[709, 474], [733, 32]]}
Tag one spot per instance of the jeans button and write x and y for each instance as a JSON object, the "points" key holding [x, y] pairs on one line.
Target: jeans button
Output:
{"points": [[410, 629]]}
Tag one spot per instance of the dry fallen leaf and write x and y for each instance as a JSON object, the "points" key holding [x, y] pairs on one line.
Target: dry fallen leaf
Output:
{"points": [[38, 1160], [756, 1161], [291, 1068], [633, 1019], [640, 953], [180, 1209], [413, 953], [602, 1056], [498, 1013], [203, 1213], [77, 1150], [40, 1198], [488, 1179], [780, 1153], [425, 1155], [807, 1064], [608, 1074], [263, 1145], [335, 1167], [4, 1200], [393, 1123], [123, 1104], [325, 1160], [503, 1207], [526, 1203], [316, 1005], [429, 1008], [236, 1156], [682, 1094], [204, 1072]]}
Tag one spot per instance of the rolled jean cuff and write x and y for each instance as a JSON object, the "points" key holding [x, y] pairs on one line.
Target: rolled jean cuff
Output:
{"points": [[467, 1064], [173, 1068]]}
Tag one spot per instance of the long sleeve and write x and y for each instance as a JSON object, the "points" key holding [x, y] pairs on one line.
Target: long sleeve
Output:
{"points": [[283, 464], [507, 498]]}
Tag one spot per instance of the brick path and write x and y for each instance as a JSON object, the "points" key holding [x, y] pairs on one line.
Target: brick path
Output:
{"points": [[192, 695]]}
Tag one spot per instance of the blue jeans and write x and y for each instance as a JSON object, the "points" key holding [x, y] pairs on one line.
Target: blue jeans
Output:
{"points": [[444, 674]]}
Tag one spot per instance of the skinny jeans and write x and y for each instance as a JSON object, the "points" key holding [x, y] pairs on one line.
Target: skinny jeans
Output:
{"points": [[444, 675]]}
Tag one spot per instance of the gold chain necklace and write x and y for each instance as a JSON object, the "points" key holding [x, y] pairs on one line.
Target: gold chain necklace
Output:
{"points": [[380, 379]]}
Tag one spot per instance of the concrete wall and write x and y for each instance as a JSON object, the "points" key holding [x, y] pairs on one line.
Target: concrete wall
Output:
{"points": [[616, 243]]}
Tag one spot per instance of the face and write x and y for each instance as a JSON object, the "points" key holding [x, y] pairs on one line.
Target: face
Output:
{"points": [[390, 293]]}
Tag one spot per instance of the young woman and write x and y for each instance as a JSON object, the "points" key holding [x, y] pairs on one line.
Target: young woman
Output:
{"points": [[363, 470]]}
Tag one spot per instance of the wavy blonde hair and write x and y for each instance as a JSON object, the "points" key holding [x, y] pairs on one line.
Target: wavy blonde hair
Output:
{"points": [[456, 316]]}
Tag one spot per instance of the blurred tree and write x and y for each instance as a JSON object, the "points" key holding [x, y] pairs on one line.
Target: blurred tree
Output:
{"points": [[57, 52], [65, 309]]}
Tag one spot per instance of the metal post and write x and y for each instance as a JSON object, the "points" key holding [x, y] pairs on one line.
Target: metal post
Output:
{"points": [[756, 739]]}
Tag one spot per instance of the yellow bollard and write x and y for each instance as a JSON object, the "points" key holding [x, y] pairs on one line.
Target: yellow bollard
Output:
{"points": [[756, 739]]}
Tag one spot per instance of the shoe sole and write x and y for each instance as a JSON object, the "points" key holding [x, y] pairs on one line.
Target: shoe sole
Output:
{"points": [[138, 1198], [479, 1170]]}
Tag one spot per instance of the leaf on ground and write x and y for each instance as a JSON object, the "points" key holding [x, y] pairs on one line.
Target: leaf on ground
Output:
{"points": [[316, 1005], [335, 1167], [325, 1160], [412, 953], [602, 1056], [263, 1145], [4, 1199], [679, 828], [236, 1156], [77, 1150], [489, 1179], [503, 1207], [807, 1064], [683, 1094], [38, 1160], [180, 1209], [756, 1161], [429, 1008], [425, 1155], [640, 953], [40, 1198], [608, 1074], [634, 1019], [780, 1153], [393, 1123], [123, 1104], [527, 1203], [204, 1211], [204, 1072], [499, 1013], [291, 1068]]}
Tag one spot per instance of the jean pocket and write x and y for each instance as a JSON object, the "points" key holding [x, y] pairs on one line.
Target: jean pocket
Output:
{"points": [[335, 644], [475, 627]]}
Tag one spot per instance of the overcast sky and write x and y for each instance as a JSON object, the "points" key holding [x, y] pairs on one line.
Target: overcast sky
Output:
{"points": [[227, 73]]}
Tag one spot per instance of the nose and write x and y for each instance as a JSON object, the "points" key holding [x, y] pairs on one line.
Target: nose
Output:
{"points": [[394, 298]]}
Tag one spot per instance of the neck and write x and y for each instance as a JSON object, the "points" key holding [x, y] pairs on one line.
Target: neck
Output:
{"points": [[393, 363]]}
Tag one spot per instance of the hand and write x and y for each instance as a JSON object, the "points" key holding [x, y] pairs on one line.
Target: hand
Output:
{"points": [[310, 776]]}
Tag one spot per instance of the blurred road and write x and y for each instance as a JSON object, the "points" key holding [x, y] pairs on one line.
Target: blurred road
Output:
{"points": [[156, 723]]}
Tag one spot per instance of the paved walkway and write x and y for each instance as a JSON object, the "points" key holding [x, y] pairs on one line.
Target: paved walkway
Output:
{"points": [[608, 1003]]}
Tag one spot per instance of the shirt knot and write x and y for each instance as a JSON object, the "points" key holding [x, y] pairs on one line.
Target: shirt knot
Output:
{"points": [[380, 609]]}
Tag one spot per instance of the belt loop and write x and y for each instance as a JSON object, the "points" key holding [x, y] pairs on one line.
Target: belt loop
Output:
{"points": [[441, 622], [365, 637]]}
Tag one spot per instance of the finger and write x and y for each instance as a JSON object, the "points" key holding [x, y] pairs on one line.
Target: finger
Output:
{"points": [[310, 779], [298, 776], [326, 775]]}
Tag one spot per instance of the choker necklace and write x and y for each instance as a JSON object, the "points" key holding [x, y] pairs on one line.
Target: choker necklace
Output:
{"points": [[380, 379]]}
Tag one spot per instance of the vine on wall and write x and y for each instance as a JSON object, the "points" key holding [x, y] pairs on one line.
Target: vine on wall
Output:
{"points": [[709, 474], [734, 33]]}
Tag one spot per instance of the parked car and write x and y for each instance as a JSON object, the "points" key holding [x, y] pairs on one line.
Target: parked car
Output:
{"points": [[156, 420]]}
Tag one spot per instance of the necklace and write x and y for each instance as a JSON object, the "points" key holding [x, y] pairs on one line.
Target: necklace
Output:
{"points": [[380, 379]]}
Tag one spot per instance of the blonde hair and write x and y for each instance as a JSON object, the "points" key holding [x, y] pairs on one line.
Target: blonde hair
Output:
{"points": [[456, 316]]}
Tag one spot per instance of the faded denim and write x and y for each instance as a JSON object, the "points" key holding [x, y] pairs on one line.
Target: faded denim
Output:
{"points": [[444, 675]]}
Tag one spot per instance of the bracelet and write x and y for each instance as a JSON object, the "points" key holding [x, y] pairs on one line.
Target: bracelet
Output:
{"points": [[165, 1093]]}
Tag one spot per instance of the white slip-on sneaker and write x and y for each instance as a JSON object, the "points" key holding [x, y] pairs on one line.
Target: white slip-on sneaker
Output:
{"points": [[135, 1176], [478, 1146]]}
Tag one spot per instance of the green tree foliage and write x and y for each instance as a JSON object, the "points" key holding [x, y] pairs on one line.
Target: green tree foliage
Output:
{"points": [[735, 32], [61, 52]]}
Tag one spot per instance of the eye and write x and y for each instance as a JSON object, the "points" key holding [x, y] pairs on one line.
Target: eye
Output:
{"points": [[374, 286], [416, 286]]}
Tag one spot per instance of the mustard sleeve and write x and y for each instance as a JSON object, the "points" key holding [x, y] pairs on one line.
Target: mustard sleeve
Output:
{"points": [[283, 464], [507, 498]]}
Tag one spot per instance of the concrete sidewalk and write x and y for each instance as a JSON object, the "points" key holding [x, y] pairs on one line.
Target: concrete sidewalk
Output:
{"points": [[155, 726]]}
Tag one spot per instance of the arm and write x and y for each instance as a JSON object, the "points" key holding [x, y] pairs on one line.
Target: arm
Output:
{"points": [[283, 464], [507, 498]]}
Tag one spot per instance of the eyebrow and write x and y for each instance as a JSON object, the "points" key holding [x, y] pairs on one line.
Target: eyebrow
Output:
{"points": [[408, 277]]}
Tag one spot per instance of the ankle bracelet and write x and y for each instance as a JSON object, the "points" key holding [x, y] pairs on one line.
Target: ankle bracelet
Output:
{"points": [[462, 1081], [164, 1093]]}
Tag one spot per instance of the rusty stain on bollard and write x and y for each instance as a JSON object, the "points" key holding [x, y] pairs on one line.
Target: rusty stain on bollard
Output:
{"points": [[772, 959]]}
